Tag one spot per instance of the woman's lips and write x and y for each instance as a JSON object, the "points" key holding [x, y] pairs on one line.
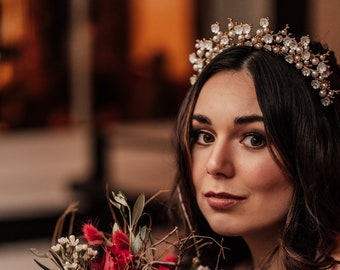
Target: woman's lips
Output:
{"points": [[222, 200]]}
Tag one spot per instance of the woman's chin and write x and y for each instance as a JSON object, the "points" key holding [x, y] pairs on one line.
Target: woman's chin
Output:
{"points": [[224, 228]]}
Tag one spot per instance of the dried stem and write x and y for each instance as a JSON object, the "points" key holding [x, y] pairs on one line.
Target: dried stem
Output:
{"points": [[72, 208], [110, 205], [155, 195], [187, 218], [165, 237]]}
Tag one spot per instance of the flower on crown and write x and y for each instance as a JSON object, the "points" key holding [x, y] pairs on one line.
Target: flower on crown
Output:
{"points": [[281, 43]]}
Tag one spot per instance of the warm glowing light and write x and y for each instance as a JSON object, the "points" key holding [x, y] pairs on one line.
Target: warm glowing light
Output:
{"points": [[162, 27], [12, 21]]}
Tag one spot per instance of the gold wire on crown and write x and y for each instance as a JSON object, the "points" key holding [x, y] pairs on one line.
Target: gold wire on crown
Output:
{"points": [[281, 43]]}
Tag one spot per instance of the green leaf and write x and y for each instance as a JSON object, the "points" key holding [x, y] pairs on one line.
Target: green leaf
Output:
{"points": [[56, 258], [36, 253], [143, 232], [117, 205], [41, 265], [136, 244], [138, 209], [115, 227], [120, 198]]}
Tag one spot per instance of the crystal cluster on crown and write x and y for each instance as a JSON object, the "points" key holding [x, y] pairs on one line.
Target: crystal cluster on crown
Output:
{"points": [[281, 43]]}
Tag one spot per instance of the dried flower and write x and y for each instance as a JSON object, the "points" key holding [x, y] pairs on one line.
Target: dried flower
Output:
{"points": [[130, 246], [169, 258], [120, 240], [92, 235]]}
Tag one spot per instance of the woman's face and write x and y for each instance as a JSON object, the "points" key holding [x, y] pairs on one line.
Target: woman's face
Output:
{"points": [[239, 188]]}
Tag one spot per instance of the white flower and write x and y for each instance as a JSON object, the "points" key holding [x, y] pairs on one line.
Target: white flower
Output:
{"points": [[63, 240], [73, 241], [75, 256], [56, 248], [90, 254], [201, 267], [80, 248], [70, 265]]}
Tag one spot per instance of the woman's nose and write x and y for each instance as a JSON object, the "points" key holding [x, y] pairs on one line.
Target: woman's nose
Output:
{"points": [[220, 161]]}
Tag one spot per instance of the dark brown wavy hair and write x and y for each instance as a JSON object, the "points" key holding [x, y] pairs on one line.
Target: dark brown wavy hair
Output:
{"points": [[306, 136]]}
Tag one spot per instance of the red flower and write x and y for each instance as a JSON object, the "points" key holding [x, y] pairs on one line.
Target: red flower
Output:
{"points": [[117, 256], [96, 264], [92, 235], [120, 240], [168, 258], [117, 261]]}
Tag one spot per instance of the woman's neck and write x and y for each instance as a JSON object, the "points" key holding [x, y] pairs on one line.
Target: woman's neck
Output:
{"points": [[262, 247]]}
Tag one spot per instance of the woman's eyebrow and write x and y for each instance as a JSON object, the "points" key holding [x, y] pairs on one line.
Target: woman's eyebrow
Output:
{"points": [[247, 119], [201, 118]]}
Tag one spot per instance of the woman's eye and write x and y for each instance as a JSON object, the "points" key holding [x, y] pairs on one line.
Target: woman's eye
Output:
{"points": [[203, 137], [254, 140]]}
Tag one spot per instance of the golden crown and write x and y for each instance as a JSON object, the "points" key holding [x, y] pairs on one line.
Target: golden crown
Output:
{"points": [[281, 43]]}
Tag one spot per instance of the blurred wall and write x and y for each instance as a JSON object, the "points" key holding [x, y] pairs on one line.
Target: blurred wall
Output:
{"points": [[162, 27], [241, 10], [324, 23]]}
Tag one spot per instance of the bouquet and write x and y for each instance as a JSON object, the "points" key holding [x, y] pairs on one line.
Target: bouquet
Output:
{"points": [[129, 246]]}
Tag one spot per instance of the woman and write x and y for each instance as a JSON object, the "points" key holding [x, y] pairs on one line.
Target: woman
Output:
{"points": [[258, 153]]}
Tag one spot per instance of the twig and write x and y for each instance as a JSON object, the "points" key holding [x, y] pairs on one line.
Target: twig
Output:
{"points": [[110, 205], [165, 237], [155, 195], [72, 208], [187, 218]]}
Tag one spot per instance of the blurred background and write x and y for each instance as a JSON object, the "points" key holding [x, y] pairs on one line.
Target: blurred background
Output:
{"points": [[88, 94]]}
